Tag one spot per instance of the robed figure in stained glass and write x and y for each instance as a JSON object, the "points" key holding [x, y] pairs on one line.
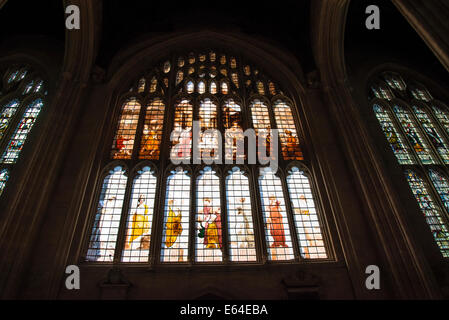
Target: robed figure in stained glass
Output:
{"points": [[413, 137], [140, 226], [213, 232], [275, 224]]}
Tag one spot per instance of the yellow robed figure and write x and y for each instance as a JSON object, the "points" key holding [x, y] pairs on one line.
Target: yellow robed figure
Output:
{"points": [[140, 223], [173, 226]]}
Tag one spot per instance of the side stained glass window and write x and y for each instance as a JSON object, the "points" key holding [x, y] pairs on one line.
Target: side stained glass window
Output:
{"points": [[394, 138], [8, 112], [414, 136], [431, 211], [418, 130], [196, 118]]}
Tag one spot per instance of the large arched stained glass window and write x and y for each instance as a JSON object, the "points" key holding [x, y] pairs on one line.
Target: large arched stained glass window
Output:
{"points": [[196, 117], [22, 98], [418, 135]]}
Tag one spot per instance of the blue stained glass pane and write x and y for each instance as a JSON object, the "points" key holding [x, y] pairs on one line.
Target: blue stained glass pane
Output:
{"points": [[414, 135], [432, 133], [6, 116], [396, 140], [17, 141], [431, 211]]}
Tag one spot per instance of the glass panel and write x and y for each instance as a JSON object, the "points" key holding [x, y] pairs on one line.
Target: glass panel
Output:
{"points": [[7, 114], [175, 241], [432, 133], [180, 62], [182, 135], [107, 219], [431, 211], [240, 220], [167, 67], [122, 147], [235, 79], [272, 88], [260, 87], [396, 141], [17, 141], [4, 176], [232, 118], [213, 88], [442, 117], [209, 223], [153, 86], [414, 136], [261, 123], [277, 232], [152, 130], [441, 185], [141, 86], [224, 88], [140, 217], [190, 87], [208, 143], [201, 87], [179, 77], [291, 149], [307, 224]]}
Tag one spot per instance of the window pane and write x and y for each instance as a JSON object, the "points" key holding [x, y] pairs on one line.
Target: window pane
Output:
{"points": [[287, 131], [441, 185], [414, 136], [152, 130], [442, 117], [17, 141], [240, 220], [432, 133], [209, 244], [182, 136], [232, 118], [277, 230], [208, 144], [140, 217], [176, 218], [107, 219], [6, 116], [306, 219], [396, 141], [123, 145], [431, 211]]}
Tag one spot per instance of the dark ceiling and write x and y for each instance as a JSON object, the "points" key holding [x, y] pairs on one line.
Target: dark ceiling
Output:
{"points": [[282, 23]]}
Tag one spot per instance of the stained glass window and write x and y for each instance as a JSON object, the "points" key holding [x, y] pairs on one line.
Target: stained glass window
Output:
{"points": [[208, 143], [22, 98], [432, 133], [394, 138], [441, 184], [433, 214], [307, 224], [277, 230], [291, 149], [182, 133], [176, 218], [126, 132], [202, 211], [20, 135], [103, 237], [421, 127], [140, 217], [152, 130], [6, 116], [240, 220], [209, 240], [414, 136]]}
